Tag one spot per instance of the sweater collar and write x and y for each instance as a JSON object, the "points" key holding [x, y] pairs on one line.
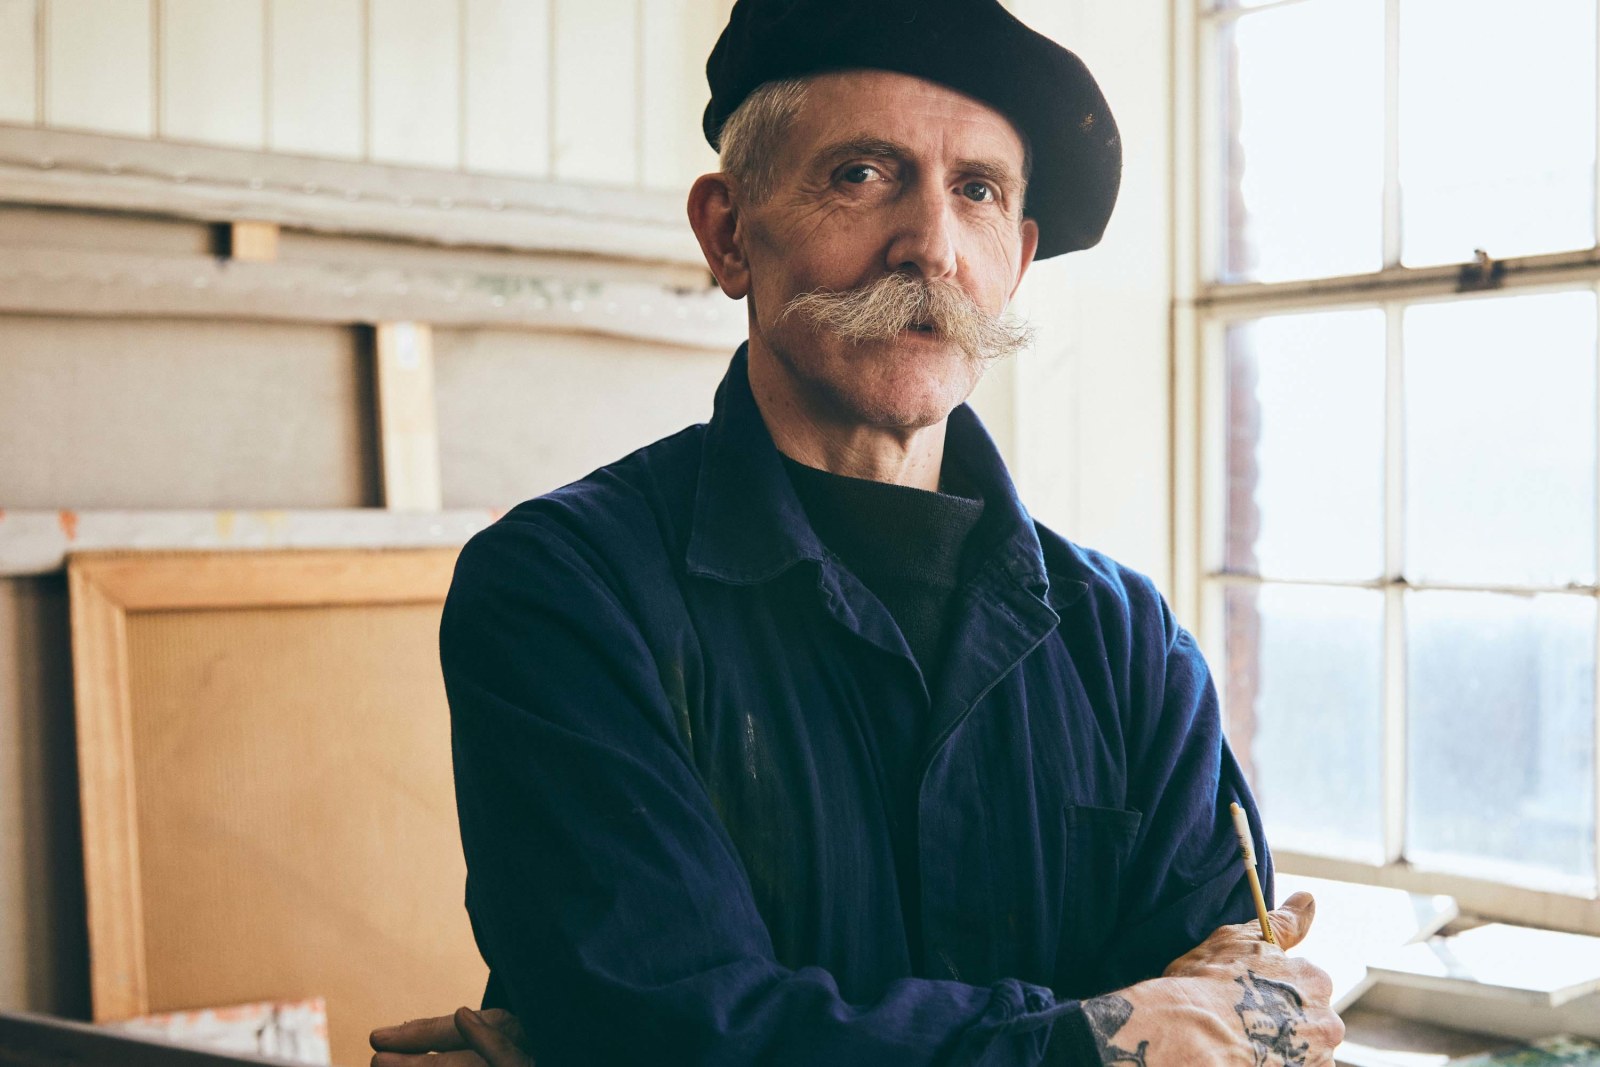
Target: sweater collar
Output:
{"points": [[749, 525]]}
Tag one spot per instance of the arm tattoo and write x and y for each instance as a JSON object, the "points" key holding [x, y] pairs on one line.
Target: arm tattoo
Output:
{"points": [[1269, 1011], [1107, 1015]]}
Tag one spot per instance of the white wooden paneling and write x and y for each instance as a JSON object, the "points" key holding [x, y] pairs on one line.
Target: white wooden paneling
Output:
{"points": [[315, 76], [507, 85], [18, 70], [677, 37], [98, 65], [414, 82], [211, 83], [597, 91]]}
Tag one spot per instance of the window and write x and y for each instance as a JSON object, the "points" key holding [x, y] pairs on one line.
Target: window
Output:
{"points": [[1388, 341]]}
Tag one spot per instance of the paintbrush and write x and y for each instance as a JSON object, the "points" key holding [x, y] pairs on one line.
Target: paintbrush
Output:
{"points": [[1241, 823]]}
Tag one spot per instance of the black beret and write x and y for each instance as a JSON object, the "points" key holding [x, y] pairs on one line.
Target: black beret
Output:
{"points": [[973, 46]]}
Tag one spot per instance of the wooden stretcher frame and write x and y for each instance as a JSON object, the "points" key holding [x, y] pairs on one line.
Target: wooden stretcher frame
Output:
{"points": [[106, 588]]}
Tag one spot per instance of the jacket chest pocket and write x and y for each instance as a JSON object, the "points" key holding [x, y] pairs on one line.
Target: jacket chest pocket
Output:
{"points": [[1098, 851]]}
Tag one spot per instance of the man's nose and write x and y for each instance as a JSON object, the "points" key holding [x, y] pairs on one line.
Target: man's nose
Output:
{"points": [[924, 236]]}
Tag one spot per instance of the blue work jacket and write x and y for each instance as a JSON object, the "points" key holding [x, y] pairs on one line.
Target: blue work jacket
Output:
{"points": [[667, 701]]}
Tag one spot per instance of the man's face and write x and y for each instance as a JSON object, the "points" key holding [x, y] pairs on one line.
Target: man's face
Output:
{"points": [[880, 174]]}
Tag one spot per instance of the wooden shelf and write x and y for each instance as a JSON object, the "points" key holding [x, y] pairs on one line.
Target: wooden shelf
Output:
{"points": [[37, 542]]}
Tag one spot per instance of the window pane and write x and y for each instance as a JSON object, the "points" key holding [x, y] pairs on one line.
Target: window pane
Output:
{"points": [[1304, 690], [1501, 750], [1305, 446], [1497, 128], [1304, 163], [1500, 440]]}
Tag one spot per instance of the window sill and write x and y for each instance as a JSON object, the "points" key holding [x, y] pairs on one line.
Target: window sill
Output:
{"points": [[1378, 1039], [1396, 1021]]}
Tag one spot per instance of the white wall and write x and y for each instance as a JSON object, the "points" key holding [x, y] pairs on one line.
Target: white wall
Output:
{"points": [[1093, 401], [605, 91]]}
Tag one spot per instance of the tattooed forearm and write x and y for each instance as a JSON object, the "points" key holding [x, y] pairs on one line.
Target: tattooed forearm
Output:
{"points": [[1107, 1015], [1270, 1011]]}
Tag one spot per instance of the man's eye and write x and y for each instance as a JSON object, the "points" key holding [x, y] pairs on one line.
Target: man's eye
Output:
{"points": [[860, 174], [978, 192]]}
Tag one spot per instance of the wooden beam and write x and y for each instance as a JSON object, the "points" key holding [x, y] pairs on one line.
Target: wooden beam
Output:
{"points": [[120, 285], [62, 169], [408, 431]]}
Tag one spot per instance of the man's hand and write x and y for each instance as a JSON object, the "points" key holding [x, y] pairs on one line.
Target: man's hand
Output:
{"points": [[492, 1038], [1233, 999]]}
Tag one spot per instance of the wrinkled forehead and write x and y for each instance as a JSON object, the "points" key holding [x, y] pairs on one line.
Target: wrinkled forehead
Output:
{"points": [[888, 106]]}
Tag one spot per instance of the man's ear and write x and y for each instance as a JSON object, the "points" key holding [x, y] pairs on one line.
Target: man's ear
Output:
{"points": [[714, 217], [1030, 246]]}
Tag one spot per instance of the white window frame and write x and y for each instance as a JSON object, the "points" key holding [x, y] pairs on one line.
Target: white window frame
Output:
{"points": [[1203, 308]]}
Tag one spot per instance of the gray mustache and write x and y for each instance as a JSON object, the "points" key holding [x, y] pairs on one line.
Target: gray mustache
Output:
{"points": [[880, 310]]}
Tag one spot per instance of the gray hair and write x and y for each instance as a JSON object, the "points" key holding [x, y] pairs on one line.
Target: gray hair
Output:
{"points": [[751, 136]]}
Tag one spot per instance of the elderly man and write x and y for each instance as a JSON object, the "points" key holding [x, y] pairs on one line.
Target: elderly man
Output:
{"points": [[792, 738]]}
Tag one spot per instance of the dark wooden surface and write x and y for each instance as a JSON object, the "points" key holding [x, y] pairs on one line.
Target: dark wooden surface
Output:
{"points": [[45, 1041]]}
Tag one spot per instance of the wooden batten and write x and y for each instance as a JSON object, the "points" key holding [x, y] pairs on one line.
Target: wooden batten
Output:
{"points": [[118, 976], [196, 581], [408, 430], [253, 242]]}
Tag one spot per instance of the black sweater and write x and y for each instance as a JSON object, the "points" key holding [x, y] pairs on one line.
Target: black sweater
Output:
{"points": [[904, 544]]}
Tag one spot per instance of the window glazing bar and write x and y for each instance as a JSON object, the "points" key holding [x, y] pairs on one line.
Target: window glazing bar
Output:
{"points": [[1595, 175], [1391, 133], [1242, 300], [1400, 583], [1594, 779], [1394, 747]]}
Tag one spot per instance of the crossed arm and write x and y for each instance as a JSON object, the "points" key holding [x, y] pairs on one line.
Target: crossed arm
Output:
{"points": [[1233, 999]]}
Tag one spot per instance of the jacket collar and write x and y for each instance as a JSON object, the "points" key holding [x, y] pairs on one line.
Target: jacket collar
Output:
{"points": [[749, 525]]}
